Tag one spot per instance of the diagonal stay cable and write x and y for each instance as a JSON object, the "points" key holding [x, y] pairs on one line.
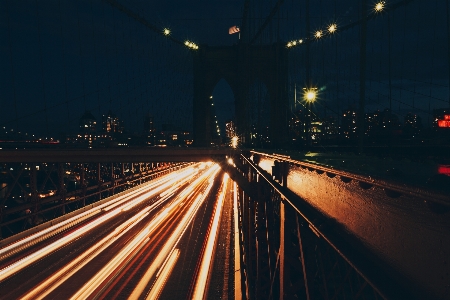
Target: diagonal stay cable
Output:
{"points": [[267, 21], [141, 20]]}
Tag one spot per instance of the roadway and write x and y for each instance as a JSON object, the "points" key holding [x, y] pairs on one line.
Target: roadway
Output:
{"points": [[157, 241]]}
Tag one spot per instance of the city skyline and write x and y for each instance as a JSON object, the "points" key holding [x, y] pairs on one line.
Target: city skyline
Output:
{"points": [[65, 58]]}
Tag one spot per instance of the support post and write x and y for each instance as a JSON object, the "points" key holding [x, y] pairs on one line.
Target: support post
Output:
{"points": [[113, 179], [302, 258], [99, 181], [83, 185], [281, 252], [362, 76], [34, 192], [61, 188]]}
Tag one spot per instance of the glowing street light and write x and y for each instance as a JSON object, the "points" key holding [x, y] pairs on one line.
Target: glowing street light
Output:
{"points": [[318, 34], [166, 31], [379, 6], [310, 94], [191, 45], [332, 28]]}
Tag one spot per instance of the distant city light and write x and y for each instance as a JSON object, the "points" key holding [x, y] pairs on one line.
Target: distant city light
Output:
{"points": [[318, 34], [166, 31], [289, 44], [234, 141]]}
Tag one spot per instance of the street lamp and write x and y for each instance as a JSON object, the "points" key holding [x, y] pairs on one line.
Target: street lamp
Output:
{"points": [[310, 95]]}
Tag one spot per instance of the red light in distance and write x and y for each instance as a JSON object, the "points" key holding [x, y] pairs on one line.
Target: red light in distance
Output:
{"points": [[444, 170], [444, 123]]}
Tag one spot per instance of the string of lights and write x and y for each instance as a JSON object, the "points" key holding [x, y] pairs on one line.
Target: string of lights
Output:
{"points": [[333, 28], [162, 31]]}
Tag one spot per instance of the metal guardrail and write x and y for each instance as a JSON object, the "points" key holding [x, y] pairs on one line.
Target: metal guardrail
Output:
{"points": [[391, 189], [360, 264]]}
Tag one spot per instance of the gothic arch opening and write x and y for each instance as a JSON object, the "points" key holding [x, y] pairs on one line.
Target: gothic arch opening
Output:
{"points": [[223, 107], [258, 115], [240, 66]]}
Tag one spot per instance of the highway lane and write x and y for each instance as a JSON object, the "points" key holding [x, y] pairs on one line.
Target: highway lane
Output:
{"points": [[130, 249]]}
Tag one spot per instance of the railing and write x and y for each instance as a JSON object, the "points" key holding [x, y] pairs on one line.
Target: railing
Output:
{"points": [[291, 250]]}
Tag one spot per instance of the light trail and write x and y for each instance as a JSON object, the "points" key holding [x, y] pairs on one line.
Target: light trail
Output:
{"points": [[133, 247], [203, 276], [174, 238], [46, 287], [57, 228], [237, 248], [156, 290], [31, 258]]}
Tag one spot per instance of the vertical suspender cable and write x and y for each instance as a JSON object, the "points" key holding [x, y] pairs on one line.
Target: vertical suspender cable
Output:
{"points": [[42, 66], [389, 62], [362, 74], [432, 61], [81, 56], [448, 50], [339, 106], [12, 71], [64, 65], [95, 59]]}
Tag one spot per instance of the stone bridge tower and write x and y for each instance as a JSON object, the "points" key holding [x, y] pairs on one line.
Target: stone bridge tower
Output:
{"points": [[241, 65]]}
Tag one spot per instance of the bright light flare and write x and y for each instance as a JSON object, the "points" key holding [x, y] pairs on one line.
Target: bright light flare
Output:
{"points": [[166, 31], [310, 94], [234, 141], [380, 6], [318, 34], [332, 28], [191, 45]]}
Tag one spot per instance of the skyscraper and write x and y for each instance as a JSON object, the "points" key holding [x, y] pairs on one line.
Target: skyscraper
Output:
{"points": [[149, 130], [111, 123]]}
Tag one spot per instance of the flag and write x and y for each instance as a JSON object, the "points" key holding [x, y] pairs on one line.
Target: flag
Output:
{"points": [[233, 29]]}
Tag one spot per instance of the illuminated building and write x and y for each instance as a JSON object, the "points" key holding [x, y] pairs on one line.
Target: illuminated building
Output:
{"points": [[171, 135], [441, 119], [87, 122], [230, 129], [87, 128], [111, 124], [348, 125], [412, 125], [149, 130], [297, 127]]}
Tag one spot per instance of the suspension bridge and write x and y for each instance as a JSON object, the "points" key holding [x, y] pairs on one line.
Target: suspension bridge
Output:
{"points": [[245, 149]]}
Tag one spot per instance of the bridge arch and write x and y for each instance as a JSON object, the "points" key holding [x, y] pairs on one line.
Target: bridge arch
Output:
{"points": [[240, 65]]}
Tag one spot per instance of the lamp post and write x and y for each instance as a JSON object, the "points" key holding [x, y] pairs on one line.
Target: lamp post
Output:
{"points": [[309, 95]]}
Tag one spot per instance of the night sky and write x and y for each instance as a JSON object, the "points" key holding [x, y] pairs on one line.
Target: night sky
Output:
{"points": [[60, 58]]}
